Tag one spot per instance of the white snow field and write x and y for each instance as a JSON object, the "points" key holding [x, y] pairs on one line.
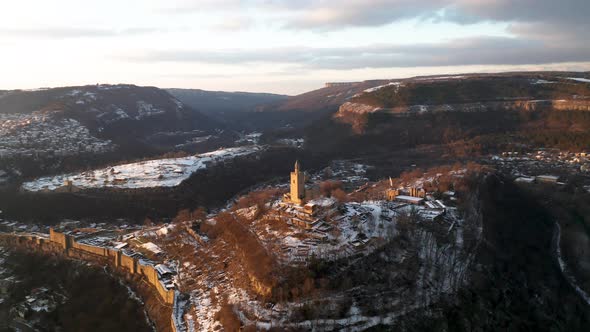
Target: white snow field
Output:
{"points": [[145, 174], [579, 79]]}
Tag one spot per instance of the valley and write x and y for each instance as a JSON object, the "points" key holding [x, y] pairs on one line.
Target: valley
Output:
{"points": [[456, 202]]}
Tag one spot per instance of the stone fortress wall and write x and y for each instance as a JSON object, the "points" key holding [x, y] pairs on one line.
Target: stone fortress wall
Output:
{"points": [[64, 244]]}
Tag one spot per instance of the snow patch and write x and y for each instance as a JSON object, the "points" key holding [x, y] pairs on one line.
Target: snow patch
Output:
{"points": [[539, 81], [145, 174], [579, 79], [146, 110], [397, 84]]}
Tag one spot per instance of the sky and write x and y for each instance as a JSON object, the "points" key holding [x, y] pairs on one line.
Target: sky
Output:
{"points": [[282, 46]]}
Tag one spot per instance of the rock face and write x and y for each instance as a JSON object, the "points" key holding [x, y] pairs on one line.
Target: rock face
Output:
{"points": [[350, 107], [528, 105], [356, 114]]}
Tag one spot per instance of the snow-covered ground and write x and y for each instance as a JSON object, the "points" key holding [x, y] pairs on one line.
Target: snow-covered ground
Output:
{"points": [[146, 110], [250, 138], [540, 81], [381, 87], [152, 173], [351, 228], [294, 142], [357, 230], [579, 79]]}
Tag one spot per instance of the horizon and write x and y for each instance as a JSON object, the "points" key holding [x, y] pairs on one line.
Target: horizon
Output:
{"points": [[282, 47], [443, 74]]}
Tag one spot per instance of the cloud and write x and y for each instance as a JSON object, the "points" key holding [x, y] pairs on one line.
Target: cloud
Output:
{"points": [[231, 24], [471, 51], [339, 13], [557, 21], [529, 18], [330, 15], [564, 21], [70, 32], [191, 6], [522, 10]]}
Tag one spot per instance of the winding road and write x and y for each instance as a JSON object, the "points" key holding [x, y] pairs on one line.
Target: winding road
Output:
{"points": [[563, 267]]}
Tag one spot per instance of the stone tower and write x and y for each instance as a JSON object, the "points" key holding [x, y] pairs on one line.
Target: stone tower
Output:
{"points": [[297, 185]]}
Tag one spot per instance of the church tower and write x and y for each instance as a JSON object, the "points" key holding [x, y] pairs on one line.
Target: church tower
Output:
{"points": [[297, 185]]}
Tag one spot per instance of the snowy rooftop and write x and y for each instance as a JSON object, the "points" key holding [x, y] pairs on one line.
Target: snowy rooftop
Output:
{"points": [[409, 198], [323, 201], [152, 247]]}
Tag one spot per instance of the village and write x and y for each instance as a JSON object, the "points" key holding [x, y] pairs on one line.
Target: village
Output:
{"points": [[43, 134], [549, 166]]}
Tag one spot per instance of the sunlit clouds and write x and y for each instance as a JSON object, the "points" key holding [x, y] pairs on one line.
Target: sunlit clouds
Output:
{"points": [[282, 46]]}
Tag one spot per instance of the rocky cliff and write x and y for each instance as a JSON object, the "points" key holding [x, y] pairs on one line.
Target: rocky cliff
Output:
{"points": [[528, 105]]}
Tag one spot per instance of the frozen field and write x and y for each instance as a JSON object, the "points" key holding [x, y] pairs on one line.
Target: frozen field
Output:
{"points": [[152, 173]]}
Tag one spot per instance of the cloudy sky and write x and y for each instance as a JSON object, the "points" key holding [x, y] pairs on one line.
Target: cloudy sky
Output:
{"points": [[282, 46]]}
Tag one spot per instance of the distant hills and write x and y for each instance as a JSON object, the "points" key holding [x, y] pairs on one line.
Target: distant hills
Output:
{"points": [[480, 110], [263, 111], [128, 121], [109, 108], [474, 88], [85, 124], [220, 104]]}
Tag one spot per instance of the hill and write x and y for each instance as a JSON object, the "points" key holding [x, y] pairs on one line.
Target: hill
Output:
{"points": [[545, 109], [263, 111], [69, 122], [223, 105], [327, 98], [104, 108], [469, 89]]}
